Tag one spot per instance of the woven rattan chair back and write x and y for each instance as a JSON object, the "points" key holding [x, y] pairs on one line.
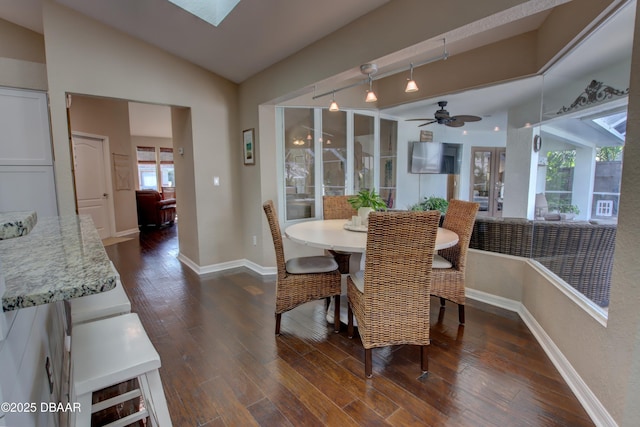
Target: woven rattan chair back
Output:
{"points": [[460, 218], [394, 307], [337, 207], [276, 234], [449, 283], [293, 290]]}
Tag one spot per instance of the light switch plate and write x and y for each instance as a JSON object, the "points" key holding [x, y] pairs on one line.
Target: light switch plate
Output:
{"points": [[216, 181]]}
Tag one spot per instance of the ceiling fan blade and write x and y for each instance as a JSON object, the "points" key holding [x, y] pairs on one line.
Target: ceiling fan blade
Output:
{"points": [[468, 118], [428, 123], [455, 123], [417, 120]]}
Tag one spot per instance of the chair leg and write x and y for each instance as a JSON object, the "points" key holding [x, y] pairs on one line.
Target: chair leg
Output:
{"points": [[461, 313], [336, 314], [442, 301], [424, 358], [278, 316], [349, 321], [368, 371], [327, 302]]}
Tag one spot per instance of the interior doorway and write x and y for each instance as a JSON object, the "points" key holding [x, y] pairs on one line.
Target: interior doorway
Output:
{"points": [[92, 179]]}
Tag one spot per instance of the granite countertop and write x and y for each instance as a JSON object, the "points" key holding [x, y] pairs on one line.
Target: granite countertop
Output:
{"points": [[62, 258], [16, 224]]}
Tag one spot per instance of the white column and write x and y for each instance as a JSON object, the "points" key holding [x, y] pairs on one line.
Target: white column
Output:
{"points": [[520, 173], [583, 177]]}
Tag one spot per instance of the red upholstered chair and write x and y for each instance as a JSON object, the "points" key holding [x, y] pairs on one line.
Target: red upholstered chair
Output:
{"points": [[153, 210]]}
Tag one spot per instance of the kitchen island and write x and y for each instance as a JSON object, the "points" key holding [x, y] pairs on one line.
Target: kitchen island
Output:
{"points": [[61, 258]]}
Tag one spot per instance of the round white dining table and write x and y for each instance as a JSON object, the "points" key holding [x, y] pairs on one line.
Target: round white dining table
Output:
{"points": [[331, 234]]}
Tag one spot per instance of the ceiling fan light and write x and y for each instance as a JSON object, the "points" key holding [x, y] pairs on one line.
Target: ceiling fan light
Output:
{"points": [[411, 86], [371, 96]]}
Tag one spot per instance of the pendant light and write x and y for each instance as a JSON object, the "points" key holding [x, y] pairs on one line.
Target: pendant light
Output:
{"points": [[334, 104], [371, 96], [411, 84]]}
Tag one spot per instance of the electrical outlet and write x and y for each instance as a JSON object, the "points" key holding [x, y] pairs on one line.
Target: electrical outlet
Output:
{"points": [[255, 240]]}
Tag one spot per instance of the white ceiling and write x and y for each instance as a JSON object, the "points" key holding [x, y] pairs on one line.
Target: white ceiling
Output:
{"points": [[255, 35]]}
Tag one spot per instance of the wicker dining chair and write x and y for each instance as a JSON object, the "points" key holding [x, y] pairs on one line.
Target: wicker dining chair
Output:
{"points": [[303, 279], [338, 207], [390, 298], [449, 264]]}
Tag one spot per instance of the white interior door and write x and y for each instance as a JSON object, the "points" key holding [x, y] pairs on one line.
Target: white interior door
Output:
{"points": [[93, 189]]}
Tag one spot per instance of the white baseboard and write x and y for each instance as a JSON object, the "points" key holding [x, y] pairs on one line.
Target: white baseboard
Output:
{"points": [[598, 413], [214, 268], [127, 232]]}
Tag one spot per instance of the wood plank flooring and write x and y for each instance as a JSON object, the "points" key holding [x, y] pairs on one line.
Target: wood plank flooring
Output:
{"points": [[222, 365]]}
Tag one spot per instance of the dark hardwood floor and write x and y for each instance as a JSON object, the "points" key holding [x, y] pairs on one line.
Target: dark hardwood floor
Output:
{"points": [[222, 365]]}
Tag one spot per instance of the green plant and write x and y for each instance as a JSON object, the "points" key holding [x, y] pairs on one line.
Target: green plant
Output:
{"points": [[569, 209], [368, 199], [431, 204]]}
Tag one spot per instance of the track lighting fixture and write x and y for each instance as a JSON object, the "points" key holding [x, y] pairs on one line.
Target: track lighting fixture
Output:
{"points": [[370, 69], [411, 84]]}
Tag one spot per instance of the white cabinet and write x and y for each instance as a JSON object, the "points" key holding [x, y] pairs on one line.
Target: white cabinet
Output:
{"points": [[26, 162]]}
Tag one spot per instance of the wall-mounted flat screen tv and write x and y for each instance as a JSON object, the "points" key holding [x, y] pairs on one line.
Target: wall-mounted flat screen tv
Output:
{"points": [[435, 157]]}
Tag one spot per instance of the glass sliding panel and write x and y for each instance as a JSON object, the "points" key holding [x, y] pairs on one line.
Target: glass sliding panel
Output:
{"points": [[559, 180], [481, 162], [299, 159], [334, 152], [388, 160], [364, 144]]}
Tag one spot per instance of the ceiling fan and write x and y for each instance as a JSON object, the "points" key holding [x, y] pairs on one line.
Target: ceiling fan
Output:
{"points": [[442, 117]]}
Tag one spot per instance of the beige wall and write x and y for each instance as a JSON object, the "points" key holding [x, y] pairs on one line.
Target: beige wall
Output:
{"points": [[22, 59], [85, 57], [110, 118]]}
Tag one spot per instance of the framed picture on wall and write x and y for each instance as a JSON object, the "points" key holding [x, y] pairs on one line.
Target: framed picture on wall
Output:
{"points": [[248, 147]]}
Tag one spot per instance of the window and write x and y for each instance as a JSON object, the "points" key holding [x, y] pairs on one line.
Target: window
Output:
{"points": [[167, 174], [363, 147], [343, 150], [388, 160], [147, 169], [334, 152], [606, 184], [559, 180], [299, 160], [155, 167]]}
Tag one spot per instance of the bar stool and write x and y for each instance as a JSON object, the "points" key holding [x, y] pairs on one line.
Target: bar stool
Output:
{"points": [[111, 351], [98, 306]]}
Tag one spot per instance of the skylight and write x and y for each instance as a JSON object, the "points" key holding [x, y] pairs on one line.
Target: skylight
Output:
{"points": [[615, 124], [212, 11]]}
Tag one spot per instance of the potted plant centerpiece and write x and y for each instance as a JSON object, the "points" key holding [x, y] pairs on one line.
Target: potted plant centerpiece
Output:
{"points": [[367, 201]]}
